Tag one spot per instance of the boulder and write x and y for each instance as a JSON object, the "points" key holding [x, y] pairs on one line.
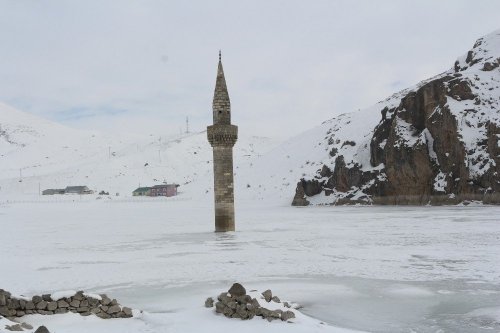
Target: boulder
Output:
{"points": [[16, 327], [42, 329], [268, 295], [237, 290], [114, 309], [209, 302], [42, 305], [52, 306], [286, 315], [62, 304]]}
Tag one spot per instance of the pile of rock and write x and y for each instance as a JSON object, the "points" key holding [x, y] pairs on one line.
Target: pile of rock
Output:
{"points": [[100, 305], [235, 303]]}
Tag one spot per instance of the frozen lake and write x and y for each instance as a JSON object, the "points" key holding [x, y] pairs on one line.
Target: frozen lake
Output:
{"points": [[376, 269]]}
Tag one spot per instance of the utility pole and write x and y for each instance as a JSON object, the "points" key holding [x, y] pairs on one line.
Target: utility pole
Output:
{"points": [[159, 149]]}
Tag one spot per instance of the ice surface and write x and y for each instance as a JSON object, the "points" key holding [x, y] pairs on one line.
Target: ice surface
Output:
{"points": [[377, 269]]}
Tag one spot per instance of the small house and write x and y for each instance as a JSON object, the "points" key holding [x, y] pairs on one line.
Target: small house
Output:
{"points": [[78, 190], [142, 191], [166, 190]]}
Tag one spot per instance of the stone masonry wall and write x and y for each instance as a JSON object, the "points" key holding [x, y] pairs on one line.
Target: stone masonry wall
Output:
{"points": [[224, 189], [101, 306]]}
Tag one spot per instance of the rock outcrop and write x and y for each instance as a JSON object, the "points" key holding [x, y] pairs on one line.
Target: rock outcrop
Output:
{"points": [[436, 143]]}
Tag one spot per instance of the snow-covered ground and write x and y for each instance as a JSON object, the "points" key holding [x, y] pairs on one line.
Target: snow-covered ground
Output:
{"points": [[375, 269]]}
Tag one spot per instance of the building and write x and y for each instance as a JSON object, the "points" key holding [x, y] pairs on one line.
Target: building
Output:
{"points": [[77, 190], [166, 190], [222, 136], [52, 191], [142, 192]]}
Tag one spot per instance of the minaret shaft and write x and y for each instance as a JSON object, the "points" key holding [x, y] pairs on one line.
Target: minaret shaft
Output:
{"points": [[222, 136]]}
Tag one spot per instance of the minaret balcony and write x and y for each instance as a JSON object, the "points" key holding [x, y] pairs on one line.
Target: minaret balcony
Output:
{"points": [[222, 135]]}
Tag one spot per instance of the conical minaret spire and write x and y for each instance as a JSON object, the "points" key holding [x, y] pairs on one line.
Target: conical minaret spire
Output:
{"points": [[222, 136], [221, 105]]}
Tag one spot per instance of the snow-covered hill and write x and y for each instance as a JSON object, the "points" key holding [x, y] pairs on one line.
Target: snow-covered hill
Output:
{"points": [[36, 153]]}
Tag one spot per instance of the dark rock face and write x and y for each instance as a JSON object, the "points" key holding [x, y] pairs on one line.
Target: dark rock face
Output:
{"points": [[439, 144]]}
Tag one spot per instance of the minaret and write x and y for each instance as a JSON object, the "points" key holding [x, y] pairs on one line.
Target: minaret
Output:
{"points": [[222, 136]]}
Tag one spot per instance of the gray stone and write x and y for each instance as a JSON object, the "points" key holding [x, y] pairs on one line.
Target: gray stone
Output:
{"points": [[127, 312], [86, 313], [83, 309], [61, 310], [114, 302], [268, 295], [255, 303], [93, 302], [84, 303], [5, 293], [219, 307], [209, 302], [224, 298], [22, 304], [228, 312], [41, 305], [62, 304], [104, 308], [26, 326], [276, 299], [13, 304], [105, 300], [47, 298], [286, 305], [103, 315], [36, 299], [30, 305], [78, 296], [3, 300], [237, 290], [20, 313], [95, 310], [114, 309], [45, 312], [232, 305], [75, 303], [245, 299], [287, 315], [16, 327], [30, 311], [4, 311], [52, 306], [42, 329]]}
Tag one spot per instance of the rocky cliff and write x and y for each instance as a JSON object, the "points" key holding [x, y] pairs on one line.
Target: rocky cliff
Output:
{"points": [[437, 142]]}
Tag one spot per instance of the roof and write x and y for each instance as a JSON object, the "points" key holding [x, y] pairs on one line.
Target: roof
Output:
{"points": [[165, 185], [142, 189], [76, 188], [221, 104]]}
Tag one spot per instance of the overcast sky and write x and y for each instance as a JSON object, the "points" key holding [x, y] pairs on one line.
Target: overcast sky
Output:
{"points": [[143, 66]]}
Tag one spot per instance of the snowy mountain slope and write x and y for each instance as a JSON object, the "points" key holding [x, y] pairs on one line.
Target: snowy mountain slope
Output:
{"points": [[436, 142], [49, 155]]}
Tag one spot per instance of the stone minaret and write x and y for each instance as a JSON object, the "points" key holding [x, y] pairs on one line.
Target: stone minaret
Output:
{"points": [[222, 136]]}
